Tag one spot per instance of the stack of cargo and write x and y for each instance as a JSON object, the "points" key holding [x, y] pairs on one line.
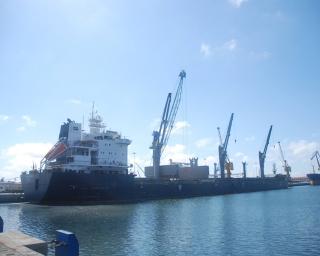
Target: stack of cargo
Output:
{"points": [[182, 171], [194, 173]]}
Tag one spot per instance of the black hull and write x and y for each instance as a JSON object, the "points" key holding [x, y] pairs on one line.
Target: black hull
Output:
{"points": [[314, 178], [79, 188]]}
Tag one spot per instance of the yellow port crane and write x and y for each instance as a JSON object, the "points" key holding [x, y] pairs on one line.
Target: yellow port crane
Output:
{"points": [[223, 156]]}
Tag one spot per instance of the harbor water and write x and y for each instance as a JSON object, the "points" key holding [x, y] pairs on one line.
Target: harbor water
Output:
{"points": [[282, 222]]}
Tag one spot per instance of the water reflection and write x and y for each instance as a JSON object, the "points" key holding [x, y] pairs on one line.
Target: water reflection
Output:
{"points": [[266, 223], [106, 227]]}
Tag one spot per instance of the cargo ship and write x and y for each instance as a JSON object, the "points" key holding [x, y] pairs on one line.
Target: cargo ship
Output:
{"points": [[314, 178], [92, 168]]}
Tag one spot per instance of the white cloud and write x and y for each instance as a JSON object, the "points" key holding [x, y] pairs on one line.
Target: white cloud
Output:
{"points": [[303, 148], [177, 153], [231, 45], [175, 149], [28, 121], [297, 153], [237, 3], [239, 154], [204, 142], [250, 138], [4, 118], [74, 101], [21, 129], [205, 49], [210, 160], [228, 46], [154, 124], [20, 157], [242, 156], [179, 127]]}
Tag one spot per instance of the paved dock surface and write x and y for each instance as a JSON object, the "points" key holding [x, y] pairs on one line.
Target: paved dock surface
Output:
{"points": [[17, 244]]}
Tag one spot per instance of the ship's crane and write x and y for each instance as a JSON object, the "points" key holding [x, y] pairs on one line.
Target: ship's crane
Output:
{"points": [[221, 143], [287, 168], [219, 133], [317, 156], [161, 137], [223, 151], [274, 168], [262, 155]]}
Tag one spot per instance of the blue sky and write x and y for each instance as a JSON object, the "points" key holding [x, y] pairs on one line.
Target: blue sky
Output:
{"points": [[258, 59]]}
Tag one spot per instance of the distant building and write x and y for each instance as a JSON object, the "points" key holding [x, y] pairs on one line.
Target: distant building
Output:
{"points": [[10, 186]]}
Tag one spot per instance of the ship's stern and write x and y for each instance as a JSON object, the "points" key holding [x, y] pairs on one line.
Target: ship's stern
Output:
{"points": [[35, 185]]}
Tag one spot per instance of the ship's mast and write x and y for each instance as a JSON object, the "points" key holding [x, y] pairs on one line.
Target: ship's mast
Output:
{"points": [[95, 122]]}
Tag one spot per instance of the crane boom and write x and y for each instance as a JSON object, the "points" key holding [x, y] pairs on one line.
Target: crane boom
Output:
{"points": [[226, 140], [174, 109], [281, 153], [219, 133], [262, 156], [161, 137], [287, 168], [223, 149], [165, 121], [317, 156], [220, 139], [267, 142]]}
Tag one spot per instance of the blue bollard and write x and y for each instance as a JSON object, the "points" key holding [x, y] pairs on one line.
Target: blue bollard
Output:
{"points": [[68, 244], [1, 225]]}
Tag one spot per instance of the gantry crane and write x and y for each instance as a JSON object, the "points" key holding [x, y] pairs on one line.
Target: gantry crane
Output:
{"points": [[317, 156], [161, 137], [262, 155], [223, 151], [287, 168]]}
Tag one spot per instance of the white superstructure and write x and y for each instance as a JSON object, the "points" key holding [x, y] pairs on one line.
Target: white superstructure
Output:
{"points": [[84, 151]]}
